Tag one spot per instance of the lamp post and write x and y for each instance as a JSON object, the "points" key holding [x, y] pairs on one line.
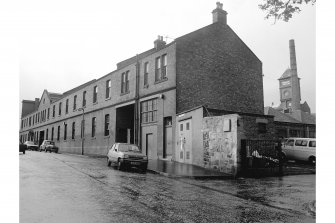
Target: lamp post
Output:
{"points": [[82, 131]]}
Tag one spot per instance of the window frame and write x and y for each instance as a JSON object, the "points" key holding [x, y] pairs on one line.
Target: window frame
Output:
{"points": [[106, 126], [74, 102], [95, 94], [108, 88], [94, 126]]}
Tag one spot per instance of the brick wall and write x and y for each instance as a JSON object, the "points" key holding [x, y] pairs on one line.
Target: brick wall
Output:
{"points": [[215, 68]]}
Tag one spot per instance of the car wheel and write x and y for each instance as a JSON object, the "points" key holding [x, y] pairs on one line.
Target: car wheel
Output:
{"points": [[312, 160], [119, 165], [24, 152], [108, 162]]}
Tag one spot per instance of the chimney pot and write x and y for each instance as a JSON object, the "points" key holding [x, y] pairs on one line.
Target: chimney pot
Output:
{"points": [[219, 15]]}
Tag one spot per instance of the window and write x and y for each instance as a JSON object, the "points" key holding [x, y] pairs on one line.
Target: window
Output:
{"points": [[312, 143], [298, 142], [65, 131], [261, 127], [33, 120], [146, 73], [160, 68], [48, 112], [107, 125], [75, 102], [125, 82], [73, 129], [60, 108], [93, 126], [47, 134], [149, 111], [84, 98], [304, 143], [67, 106], [53, 111], [38, 117], [164, 63], [108, 88], [181, 127], [21, 124], [29, 121], [95, 94], [58, 133], [290, 142], [187, 126], [82, 133], [52, 133]]}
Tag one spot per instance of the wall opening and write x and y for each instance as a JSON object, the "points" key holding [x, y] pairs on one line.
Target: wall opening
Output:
{"points": [[125, 124]]}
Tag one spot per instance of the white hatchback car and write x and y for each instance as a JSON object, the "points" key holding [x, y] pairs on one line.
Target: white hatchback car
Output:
{"points": [[300, 149], [127, 155]]}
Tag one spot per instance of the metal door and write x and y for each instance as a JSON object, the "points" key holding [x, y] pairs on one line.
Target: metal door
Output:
{"points": [[185, 141]]}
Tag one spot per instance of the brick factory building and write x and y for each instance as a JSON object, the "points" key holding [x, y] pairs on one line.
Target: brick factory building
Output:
{"points": [[138, 102]]}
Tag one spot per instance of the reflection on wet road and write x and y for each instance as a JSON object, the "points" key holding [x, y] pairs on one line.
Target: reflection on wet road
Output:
{"points": [[71, 188]]}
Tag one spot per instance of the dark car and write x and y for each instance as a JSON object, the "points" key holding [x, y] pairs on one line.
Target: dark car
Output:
{"points": [[31, 145], [49, 145], [23, 148]]}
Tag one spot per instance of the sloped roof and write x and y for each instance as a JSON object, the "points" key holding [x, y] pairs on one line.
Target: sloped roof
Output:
{"points": [[54, 96], [279, 116], [286, 74], [308, 118]]}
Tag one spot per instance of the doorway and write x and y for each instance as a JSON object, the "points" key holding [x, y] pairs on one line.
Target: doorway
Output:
{"points": [[185, 139], [149, 141], [125, 124], [167, 146], [41, 138]]}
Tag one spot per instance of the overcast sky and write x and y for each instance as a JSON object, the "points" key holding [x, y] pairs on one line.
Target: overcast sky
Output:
{"points": [[63, 44]]}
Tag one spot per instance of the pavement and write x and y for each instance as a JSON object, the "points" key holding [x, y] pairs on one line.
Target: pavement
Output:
{"points": [[74, 188], [182, 170]]}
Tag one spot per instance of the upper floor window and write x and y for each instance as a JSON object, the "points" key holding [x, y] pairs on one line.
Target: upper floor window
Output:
{"points": [[93, 126], [95, 94], [125, 82], [29, 121], [48, 112], [107, 125], [60, 108], [84, 98], [75, 102], [53, 111], [146, 74], [160, 67], [67, 106], [108, 88], [52, 133], [149, 111]]}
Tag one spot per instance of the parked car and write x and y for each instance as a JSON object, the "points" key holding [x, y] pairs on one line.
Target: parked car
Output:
{"points": [[23, 148], [302, 149], [49, 145], [127, 155], [31, 145]]}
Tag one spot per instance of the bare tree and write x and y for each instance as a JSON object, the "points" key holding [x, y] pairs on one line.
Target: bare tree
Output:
{"points": [[283, 9]]}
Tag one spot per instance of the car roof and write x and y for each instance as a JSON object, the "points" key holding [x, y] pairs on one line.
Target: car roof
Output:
{"points": [[296, 138]]}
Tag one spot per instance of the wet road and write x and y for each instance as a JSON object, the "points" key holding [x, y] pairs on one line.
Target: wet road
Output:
{"points": [[73, 188]]}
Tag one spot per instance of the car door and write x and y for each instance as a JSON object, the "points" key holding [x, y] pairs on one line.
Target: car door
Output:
{"points": [[288, 148], [113, 153], [301, 149]]}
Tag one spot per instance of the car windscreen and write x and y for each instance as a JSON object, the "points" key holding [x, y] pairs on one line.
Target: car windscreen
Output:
{"points": [[49, 143], [128, 148]]}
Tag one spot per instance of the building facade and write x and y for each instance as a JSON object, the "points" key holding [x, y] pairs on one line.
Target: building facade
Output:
{"points": [[138, 102]]}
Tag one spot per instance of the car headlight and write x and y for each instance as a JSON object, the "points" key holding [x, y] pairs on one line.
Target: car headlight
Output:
{"points": [[125, 156]]}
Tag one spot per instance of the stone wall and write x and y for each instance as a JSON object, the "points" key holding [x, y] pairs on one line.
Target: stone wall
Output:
{"points": [[220, 143]]}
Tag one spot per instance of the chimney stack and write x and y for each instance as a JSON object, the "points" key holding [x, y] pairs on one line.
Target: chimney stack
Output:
{"points": [[293, 61], [219, 15], [37, 102], [159, 43]]}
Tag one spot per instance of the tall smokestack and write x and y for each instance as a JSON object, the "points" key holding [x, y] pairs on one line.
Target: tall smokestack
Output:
{"points": [[293, 60]]}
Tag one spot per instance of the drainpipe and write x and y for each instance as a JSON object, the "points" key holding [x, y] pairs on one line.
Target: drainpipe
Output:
{"points": [[137, 85]]}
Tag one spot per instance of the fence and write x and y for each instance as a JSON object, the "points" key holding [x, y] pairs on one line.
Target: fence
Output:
{"points": [[260, 157]]}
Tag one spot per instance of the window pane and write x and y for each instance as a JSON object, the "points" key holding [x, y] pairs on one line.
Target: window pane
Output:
{"points": [[181, 127], [312, 144]]}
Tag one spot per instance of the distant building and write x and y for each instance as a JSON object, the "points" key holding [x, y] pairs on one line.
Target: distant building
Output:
{"points": [[292, 118], [138, 102]]}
